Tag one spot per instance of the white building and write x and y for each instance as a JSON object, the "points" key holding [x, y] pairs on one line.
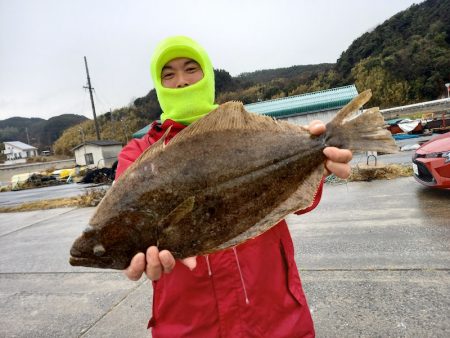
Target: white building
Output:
{"points": [[97, 154], [16, 150]]}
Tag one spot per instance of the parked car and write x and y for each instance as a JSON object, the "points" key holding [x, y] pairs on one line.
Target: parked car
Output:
{"points": [[431, 162]]}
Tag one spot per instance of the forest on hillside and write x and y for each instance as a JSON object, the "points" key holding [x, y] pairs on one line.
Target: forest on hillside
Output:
{"points": [[404, 60], [38, 132]]}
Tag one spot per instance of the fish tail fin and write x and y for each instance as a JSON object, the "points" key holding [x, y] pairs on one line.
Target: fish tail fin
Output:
{"points": [[361, 132]]}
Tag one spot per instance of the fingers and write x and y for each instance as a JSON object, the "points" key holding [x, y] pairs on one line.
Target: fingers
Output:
{"points": [[338, 155], [158, 262], [337, 161], [154, 263], [190, 262], [167, 261], [136, 268], [341, 170], [316, 127], [153, 268]]}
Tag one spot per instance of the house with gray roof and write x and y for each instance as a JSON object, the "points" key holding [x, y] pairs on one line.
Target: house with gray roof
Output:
{"points": [[16, 150], [97, 154]]}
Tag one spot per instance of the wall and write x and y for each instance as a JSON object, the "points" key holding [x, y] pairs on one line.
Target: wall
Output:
{"points": [[110, 154], [79, 154], [15, 162], [7, 171], [88, 149], [324, 116]]}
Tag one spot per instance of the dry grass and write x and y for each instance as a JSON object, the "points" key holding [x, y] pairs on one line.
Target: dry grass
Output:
{"points": [[5, 188], [89, 199], [363, 172]]}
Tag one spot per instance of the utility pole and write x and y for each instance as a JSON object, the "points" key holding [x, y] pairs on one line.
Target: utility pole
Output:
{"points": [[83, 139], [112, 122], [124, 128], [92, 99], [28, 136]]}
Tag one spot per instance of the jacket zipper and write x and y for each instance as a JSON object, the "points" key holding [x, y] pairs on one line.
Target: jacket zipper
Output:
{"points": [[209, 266], [322, 182], [247, 301]]}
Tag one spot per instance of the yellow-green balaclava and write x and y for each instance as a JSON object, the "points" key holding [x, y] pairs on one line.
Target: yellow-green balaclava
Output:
{"points": [[188, 104]]}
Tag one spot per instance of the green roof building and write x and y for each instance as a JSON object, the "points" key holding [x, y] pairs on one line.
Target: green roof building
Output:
{"points": [[299, 109], [323, 100], [141, 132]]}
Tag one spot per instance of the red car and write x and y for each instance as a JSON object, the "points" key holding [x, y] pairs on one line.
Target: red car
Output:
{"points": [[431, 162]]}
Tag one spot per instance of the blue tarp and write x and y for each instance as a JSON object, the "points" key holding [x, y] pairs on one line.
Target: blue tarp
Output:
{"points": [[405, 136]]}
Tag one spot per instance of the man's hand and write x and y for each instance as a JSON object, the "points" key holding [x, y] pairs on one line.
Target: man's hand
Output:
{"points": [[154, 263], [337, 159]]}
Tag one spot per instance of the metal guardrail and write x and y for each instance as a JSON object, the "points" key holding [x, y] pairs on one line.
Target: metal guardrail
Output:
{"points": [[24, 165], [428, 106]]}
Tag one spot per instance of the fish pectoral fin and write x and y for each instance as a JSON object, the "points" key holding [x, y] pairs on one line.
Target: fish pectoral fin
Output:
{"points": [[177, 214]]}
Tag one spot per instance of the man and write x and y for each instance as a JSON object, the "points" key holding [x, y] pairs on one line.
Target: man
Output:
{"points": [[252, 290]]}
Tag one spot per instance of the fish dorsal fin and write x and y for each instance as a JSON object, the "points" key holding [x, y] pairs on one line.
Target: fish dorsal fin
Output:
{"points": [[350, 108], [232, 115], [177, 214]]}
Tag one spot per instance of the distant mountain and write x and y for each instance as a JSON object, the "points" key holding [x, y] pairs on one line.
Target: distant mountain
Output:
{"points": [[41, 133], [265, 75]]}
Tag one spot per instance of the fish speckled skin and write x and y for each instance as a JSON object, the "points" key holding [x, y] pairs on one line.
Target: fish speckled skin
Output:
{"points": [[221, 181]]}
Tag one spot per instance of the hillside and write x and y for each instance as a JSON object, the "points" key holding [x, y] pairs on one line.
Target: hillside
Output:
{"points": [[41, 133], [292, 72], [404, 60]]}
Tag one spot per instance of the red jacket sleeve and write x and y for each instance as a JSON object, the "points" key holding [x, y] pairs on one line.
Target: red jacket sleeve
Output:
{"points": [[130, 153], [136, 147], [316, 201]]}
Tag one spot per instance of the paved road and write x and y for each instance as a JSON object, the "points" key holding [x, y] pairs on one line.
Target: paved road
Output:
{"points": [[402, 157], [374, 260], [58, 191]]}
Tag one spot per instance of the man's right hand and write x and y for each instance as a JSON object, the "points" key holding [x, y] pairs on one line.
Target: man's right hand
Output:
{"points": [[153, 263]]}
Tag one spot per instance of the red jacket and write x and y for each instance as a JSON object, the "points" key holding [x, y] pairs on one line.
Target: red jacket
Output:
{"points": [[252, 290]]}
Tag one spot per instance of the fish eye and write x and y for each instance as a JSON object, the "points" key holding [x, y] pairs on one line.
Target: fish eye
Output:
{"points": [[88, 229], [99, 250]]}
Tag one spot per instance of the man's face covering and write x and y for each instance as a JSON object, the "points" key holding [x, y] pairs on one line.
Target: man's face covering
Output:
{"points": [[184, 104]]}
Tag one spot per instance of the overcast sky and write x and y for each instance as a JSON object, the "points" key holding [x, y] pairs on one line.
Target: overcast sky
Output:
{"points": [[42, 43]]}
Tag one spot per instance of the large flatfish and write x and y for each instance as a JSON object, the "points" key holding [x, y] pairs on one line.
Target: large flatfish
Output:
{"points": [[223, 180]]}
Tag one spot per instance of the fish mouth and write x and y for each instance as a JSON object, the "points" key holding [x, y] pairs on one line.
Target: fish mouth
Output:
{"points": [[103, 262], [77, 258]]}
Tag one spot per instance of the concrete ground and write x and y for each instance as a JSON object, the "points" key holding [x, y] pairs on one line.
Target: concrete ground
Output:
{"points": [[374, 260], [10, 198]]}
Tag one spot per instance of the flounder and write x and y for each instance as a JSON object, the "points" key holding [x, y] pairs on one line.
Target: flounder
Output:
{"points": [[223, 180]]}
